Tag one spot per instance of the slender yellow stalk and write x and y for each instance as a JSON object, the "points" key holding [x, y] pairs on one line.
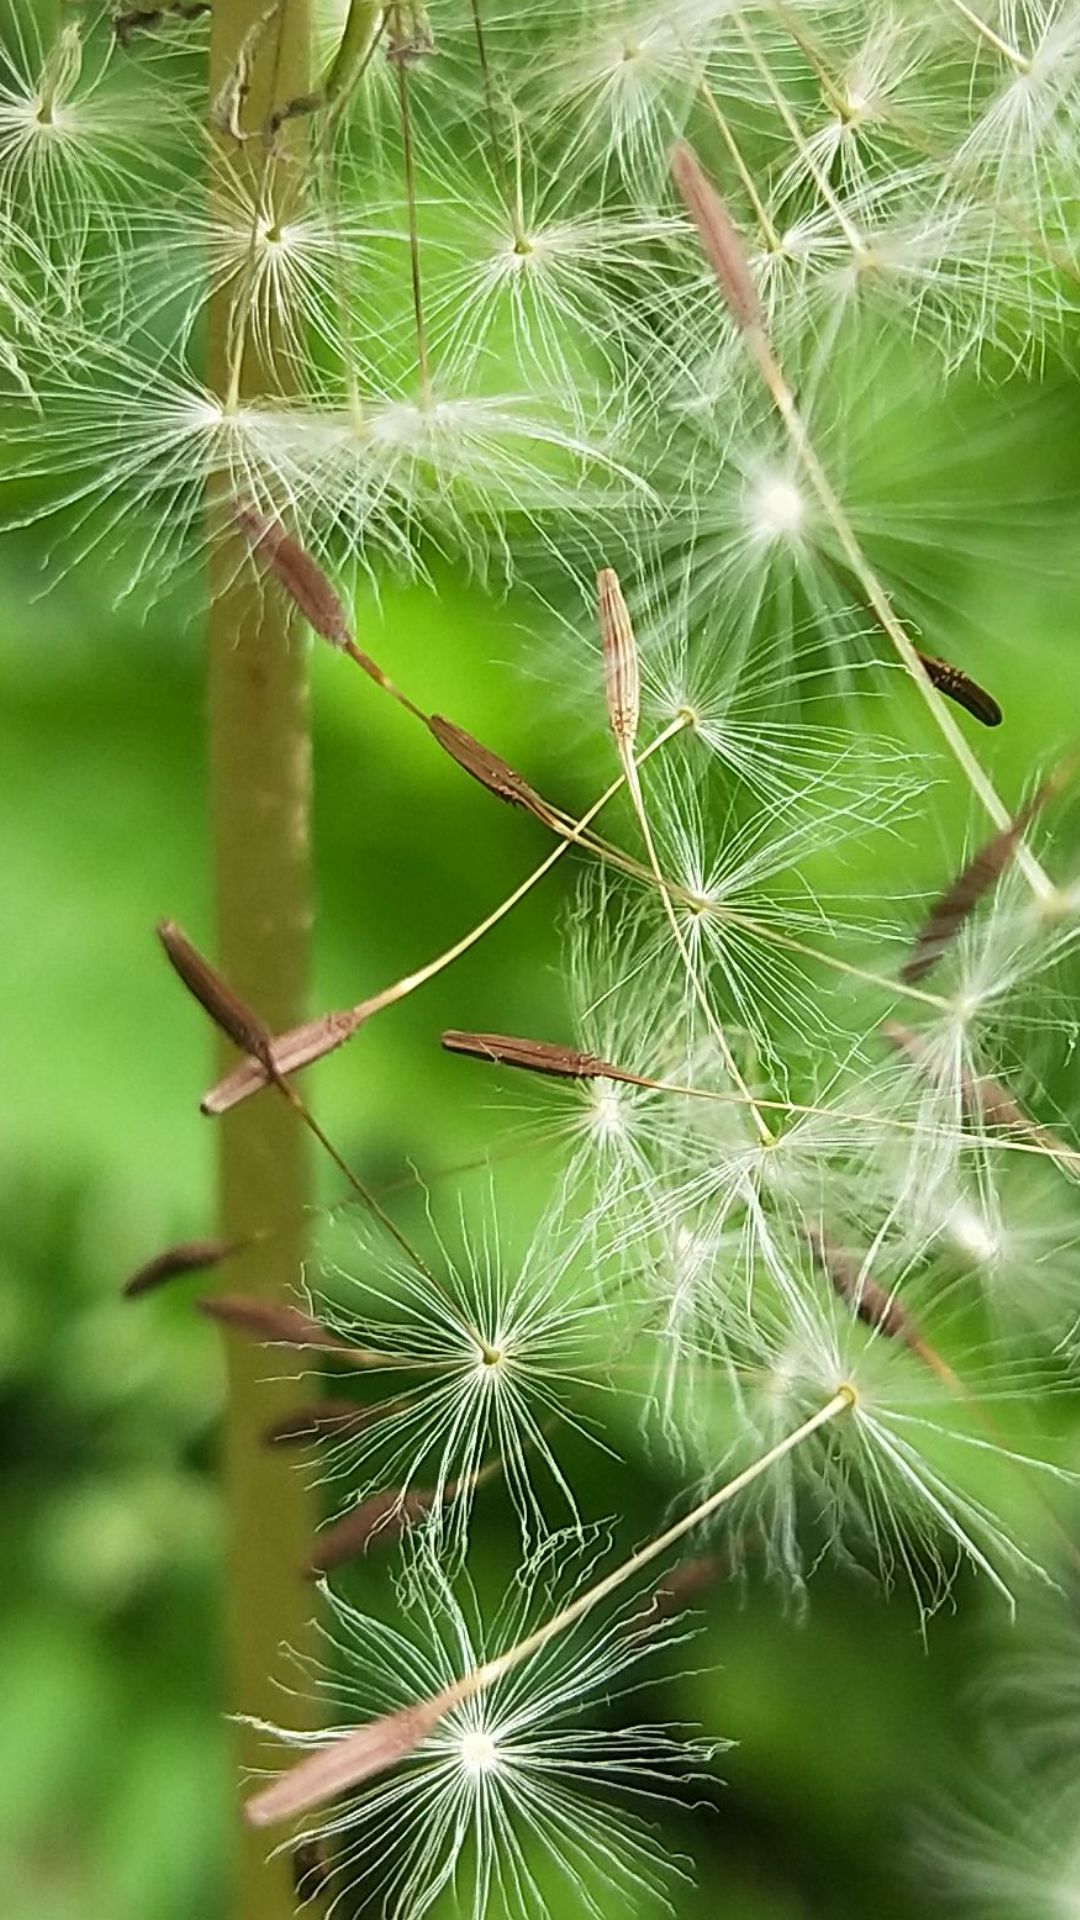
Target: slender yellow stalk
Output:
{"points": [[842, 1401]]}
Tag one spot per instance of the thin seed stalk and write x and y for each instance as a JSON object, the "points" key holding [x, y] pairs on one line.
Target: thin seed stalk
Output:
{"points": [[259, 769], [483, 1677]]}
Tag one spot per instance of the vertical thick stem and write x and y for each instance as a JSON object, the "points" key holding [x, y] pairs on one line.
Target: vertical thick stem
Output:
{"points": [[260, 776]]}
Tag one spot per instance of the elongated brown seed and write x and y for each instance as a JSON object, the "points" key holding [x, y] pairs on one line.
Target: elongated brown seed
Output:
{"points": [[955, 906], [485, 766], [348, 1761], [188, 1256], [868, 1301], [226, 1009], [270, 1320], [535, 1056], [622, 677], [985, 1100], [961, 688], [720, 242], [299, 1047], [298, 575]]}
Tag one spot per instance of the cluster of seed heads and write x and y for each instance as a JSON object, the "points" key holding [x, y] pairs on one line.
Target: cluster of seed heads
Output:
{"points": [[627, 309]]}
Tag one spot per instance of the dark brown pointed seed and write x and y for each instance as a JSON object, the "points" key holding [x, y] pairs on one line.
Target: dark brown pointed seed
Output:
{"points": [[188, 1256], [720, 242], [270, 1320], [348, 1761], [226, 1009], [876, 1308], [535, 1056], [485, 766], [960, 687], [376, 1523], [299, 1047], [868, 1301], [299, 576], [975, 880]]}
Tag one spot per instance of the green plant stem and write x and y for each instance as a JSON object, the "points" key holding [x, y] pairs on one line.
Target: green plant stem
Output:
{"points": [[260, 778]]}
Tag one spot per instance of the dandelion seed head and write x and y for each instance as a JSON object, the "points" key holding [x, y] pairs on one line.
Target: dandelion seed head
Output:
{"points": [[512, 1787]]}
